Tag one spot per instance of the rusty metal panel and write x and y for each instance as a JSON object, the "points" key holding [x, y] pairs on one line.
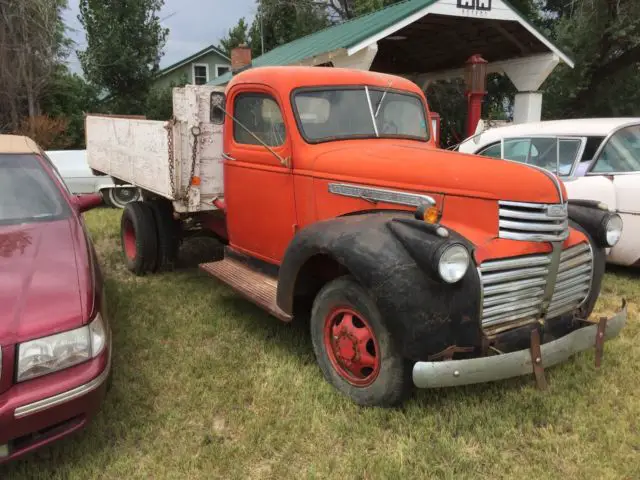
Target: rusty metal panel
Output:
{"points": [[132, 150], [191, 108], [136, 151]]}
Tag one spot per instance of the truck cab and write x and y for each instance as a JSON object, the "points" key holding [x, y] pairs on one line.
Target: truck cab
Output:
{"points": [[413, 266]]}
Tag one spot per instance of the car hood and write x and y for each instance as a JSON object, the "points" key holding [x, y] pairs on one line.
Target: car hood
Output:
{"points": [[39, 287], [429, 169]]}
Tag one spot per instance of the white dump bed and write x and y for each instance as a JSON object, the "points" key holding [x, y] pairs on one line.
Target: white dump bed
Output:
{"points": [[158, 156]]}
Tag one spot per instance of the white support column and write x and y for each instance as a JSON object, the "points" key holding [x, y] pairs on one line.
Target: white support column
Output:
{"points": [[527, 75], [361, 60], [527, 107]]}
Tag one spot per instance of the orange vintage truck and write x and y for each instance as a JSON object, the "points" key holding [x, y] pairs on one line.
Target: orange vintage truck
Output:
{"points": [[414, 266]]}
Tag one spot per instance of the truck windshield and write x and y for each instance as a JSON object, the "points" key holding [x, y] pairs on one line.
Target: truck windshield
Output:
{"points": [[27, 192], [359, 112], [621, 153]]}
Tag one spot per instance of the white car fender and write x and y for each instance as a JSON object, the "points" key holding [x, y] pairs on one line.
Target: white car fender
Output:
{"points": [[622, 195], [596, 188], [628, 193]]}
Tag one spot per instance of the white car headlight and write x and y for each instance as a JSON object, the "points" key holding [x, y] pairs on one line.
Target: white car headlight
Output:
{"points": [[613, 229], [62, 350], [453, 263]]}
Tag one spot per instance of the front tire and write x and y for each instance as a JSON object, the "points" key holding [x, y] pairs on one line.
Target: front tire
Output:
{"points": [[354, 349]]}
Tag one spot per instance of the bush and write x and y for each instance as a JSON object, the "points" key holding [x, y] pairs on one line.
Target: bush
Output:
{"points": [[48, 132]]}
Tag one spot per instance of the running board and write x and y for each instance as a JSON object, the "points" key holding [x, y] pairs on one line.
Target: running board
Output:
{"points": [[261, 289]]}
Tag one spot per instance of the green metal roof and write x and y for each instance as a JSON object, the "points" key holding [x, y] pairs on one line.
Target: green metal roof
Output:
{"points": [[343, 36]]}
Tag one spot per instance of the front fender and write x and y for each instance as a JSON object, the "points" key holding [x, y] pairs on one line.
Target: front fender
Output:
{"points": [[391, 255]]}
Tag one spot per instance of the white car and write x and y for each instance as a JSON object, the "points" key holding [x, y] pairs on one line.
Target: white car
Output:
{"points": [[597, 159], [79, 178]]}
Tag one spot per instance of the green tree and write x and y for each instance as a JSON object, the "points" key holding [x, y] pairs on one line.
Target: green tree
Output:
{"points": [[237, 35], [281, 21], [603, 37], [32, 45], [124, 47], [159, 102], [69, 96]]}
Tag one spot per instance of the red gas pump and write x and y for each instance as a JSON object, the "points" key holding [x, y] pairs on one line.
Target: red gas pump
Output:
{"points": [[435, 127]]}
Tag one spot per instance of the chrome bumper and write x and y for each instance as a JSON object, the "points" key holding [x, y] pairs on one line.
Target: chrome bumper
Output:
{"points": [[454, 373]]}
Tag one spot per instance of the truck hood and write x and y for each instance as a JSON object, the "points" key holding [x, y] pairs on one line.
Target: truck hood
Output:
{"points": [[39, 287], [428, 169]]}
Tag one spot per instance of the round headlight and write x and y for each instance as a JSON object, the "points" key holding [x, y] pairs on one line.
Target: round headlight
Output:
{"points": [[453, 263], [613, 229]]}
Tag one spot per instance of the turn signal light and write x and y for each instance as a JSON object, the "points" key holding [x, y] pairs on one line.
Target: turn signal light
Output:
{"points": [[428, 213], [195, 181]]}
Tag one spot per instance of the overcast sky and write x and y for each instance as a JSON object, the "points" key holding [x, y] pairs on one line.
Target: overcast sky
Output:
{"points": [[192, 24]]}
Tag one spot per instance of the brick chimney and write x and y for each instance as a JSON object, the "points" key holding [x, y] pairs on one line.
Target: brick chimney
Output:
{"points": [[240, 58]]}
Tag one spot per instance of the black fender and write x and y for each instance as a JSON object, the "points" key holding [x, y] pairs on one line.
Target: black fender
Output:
{"points": [[392, 256], [592, 216]]}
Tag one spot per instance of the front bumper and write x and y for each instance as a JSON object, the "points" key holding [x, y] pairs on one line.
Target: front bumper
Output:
{"points": [[48, 408], [454, 373]]}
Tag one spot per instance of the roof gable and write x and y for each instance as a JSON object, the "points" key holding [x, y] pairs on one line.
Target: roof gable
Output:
{"points": [[353, 35], [193, 58]]}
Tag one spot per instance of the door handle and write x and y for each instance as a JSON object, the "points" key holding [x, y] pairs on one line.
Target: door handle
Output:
{"points": [[227, 156]]}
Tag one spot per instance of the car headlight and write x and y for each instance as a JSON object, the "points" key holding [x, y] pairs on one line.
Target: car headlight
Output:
{"points": [[62, 350], [453, 262], [613, 229]]}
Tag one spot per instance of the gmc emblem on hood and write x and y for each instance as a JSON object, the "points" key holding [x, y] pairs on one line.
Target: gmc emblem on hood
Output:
{"points": [[558, 211]]}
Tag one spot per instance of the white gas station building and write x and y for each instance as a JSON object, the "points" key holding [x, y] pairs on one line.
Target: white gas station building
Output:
{"points": [[430, 40]]}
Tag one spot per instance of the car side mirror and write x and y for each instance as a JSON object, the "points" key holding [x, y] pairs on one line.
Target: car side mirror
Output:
{"points": [[217, 108], [86, 202]]}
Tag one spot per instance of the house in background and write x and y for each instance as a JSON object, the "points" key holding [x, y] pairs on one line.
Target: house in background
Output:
{"points": [[200, 68]]}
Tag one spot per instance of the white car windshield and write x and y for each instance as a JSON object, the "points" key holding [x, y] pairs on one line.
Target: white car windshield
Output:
{"points": [[621, 153], [359, 112], [27, 192]]}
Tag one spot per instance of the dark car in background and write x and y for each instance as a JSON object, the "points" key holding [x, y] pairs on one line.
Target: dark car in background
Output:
{"points": [[55, 338]]}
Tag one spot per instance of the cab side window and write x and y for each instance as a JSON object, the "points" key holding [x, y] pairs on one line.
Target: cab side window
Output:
{"points": [[259, 114]]}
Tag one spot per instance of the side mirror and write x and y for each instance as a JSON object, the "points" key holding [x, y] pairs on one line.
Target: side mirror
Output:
{"points": [[217, 108], [86, 202]]}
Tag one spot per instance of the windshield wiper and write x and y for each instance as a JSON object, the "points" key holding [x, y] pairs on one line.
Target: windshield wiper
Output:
{"points": [[384, 94], [373, 118]]}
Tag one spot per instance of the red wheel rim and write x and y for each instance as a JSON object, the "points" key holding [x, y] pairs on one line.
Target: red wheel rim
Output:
{"points": [[352, 346], [129, 240]]}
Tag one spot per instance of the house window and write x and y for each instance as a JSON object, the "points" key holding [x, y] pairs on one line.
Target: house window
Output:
{"points": [[200, 74], [221, 70]]}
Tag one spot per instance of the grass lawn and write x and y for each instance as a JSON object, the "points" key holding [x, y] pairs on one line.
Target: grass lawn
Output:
{"points": [[208, 386]]}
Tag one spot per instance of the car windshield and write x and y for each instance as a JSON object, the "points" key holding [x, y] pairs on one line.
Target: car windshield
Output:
{"points": [[621, 153], [359, 112], [555, 154], [27, 193]]}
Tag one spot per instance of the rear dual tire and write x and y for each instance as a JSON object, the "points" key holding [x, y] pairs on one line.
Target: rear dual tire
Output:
{"points": [[149, 237], [138, 235]]}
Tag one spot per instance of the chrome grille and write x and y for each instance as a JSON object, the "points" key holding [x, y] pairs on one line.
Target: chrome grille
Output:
{"points": [[534, 222], [513, 289], [573, 281]]}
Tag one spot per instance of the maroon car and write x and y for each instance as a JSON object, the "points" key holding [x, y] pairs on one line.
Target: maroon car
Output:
{"points": [[55, 339]]}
